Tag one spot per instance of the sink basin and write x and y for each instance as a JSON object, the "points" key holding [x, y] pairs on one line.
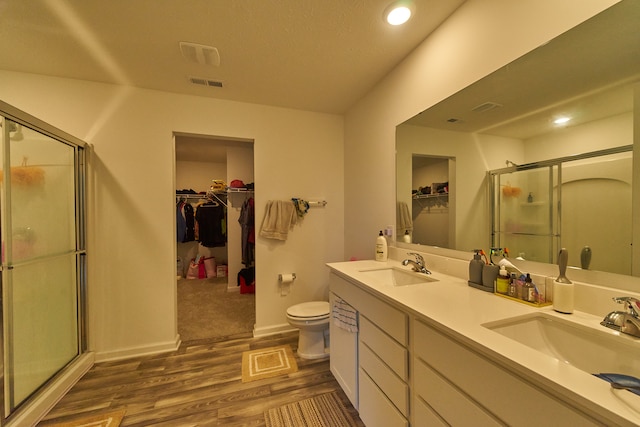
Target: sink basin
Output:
{"points": [[587, 348], [397, 276]]}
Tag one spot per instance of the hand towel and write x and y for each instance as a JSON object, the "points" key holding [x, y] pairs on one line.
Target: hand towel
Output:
{"points": [[279, 218], [344, 316], [405, 223]]}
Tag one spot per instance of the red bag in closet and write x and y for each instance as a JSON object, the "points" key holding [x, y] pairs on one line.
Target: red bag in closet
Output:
{"points": [[197, 269], [210, 267]]}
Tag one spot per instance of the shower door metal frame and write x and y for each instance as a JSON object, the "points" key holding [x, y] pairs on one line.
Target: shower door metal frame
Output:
{"points": [[8, 112], [493, 176]]}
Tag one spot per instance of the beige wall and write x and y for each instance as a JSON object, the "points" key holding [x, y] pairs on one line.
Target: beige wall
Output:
{"points": [[132, 300], [132, 288], [479, 38]]}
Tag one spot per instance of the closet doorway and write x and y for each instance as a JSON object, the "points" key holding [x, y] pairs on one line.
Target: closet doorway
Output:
{"points": [[215, 239]]}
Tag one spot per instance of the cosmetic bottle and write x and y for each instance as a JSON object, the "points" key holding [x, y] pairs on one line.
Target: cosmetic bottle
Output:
{"points": [[512, 285], [381, 248], [528, 290], [502, 282]]}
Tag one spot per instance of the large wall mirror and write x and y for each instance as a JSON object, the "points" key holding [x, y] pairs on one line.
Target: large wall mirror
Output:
{"points": [[589, 75]]}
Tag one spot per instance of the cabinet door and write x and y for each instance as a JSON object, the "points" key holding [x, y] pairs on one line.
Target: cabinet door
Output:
{"points": [[344, 359]]}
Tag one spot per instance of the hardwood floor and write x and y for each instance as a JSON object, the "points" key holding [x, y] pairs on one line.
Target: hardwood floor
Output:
{"points": [[200, 384]]}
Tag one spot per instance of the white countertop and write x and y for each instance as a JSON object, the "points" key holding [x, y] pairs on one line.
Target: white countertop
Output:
{"points": [[462, 310]]}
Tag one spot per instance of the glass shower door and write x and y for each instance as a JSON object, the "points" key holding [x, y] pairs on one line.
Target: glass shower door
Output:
{"points": [[40, 260], [525, 213]]}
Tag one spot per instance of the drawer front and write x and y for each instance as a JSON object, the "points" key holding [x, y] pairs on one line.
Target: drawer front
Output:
{"points": [[376, 410], [387, 349], [423, 415], [392, 320], [490, 385], [454, 407], [396, 390]]}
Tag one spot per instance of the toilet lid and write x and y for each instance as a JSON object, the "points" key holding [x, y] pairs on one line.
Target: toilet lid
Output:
{"points": [[309, 309]]}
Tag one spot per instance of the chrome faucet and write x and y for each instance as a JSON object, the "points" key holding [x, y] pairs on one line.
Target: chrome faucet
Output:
{"points": [[418, 264], [627, 322]]}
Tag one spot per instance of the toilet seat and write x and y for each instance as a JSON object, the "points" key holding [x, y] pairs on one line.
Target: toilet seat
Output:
{"points": [[309, 310]]}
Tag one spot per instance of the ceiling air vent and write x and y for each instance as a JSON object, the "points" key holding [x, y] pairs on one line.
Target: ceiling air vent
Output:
{"points": [[205, 82], [454, 120], [199, 53], [485, 107]]}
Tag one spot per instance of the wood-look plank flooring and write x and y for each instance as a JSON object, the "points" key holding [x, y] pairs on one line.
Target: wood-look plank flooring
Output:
{"points": [[200, 384]]}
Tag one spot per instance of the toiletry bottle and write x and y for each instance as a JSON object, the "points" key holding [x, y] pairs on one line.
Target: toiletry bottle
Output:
{"points": [[407, 237], [519, 285], [381, 248], [502, 282], [528, 289], [512, 285], [475, 268]]}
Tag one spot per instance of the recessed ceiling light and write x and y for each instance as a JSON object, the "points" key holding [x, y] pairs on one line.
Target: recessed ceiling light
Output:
{"points": [[561, 120], [399, 12]]}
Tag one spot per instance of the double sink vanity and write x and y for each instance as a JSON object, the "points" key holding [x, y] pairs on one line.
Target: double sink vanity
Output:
{"points": [[430, 350]]}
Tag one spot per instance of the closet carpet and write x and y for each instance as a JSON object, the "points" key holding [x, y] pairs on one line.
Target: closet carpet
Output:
{"points": [[206, 309]]}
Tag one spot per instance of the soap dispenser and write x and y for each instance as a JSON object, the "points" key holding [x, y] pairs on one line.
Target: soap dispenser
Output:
{"points": [[475, 268]]}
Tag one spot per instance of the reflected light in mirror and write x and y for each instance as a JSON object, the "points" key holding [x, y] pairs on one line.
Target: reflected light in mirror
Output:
{"points": [[562, 120]]}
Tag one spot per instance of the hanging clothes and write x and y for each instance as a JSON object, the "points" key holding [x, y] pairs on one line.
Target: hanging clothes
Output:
{"points": [[211, 225], [185, 221], [247, 223], [189, 217], [181, 223]]}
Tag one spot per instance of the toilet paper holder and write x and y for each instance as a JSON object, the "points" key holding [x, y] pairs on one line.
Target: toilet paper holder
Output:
{"points": [[280, 276]]}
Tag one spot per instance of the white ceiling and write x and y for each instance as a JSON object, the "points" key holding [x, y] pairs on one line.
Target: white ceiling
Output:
{"points": [[316, 55]]}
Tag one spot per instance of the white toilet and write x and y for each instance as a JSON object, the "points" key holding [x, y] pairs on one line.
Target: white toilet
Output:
{"points": [[312, 319]]}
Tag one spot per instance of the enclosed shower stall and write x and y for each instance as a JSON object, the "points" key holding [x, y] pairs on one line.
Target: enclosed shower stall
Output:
{"points": [[581, 203], [42, 225]]}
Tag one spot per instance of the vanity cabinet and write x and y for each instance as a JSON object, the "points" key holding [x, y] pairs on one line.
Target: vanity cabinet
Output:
{"points": [[403, 370], [382, 356], [456, 384]]}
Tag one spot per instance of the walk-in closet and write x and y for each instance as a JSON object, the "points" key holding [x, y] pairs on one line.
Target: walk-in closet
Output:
{"points": [[215, 237]]}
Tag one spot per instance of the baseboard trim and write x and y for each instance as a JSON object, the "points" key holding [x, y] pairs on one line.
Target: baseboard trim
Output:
{"points": [[273, 330], [38, 408], [125, 353]]}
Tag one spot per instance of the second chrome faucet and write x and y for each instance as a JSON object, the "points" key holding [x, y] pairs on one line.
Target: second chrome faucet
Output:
{"points": [[627, 322]]}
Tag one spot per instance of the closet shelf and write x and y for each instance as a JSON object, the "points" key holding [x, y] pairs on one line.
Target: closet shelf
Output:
{"points": [[431, 196], [239, 190], [438, 200]]}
